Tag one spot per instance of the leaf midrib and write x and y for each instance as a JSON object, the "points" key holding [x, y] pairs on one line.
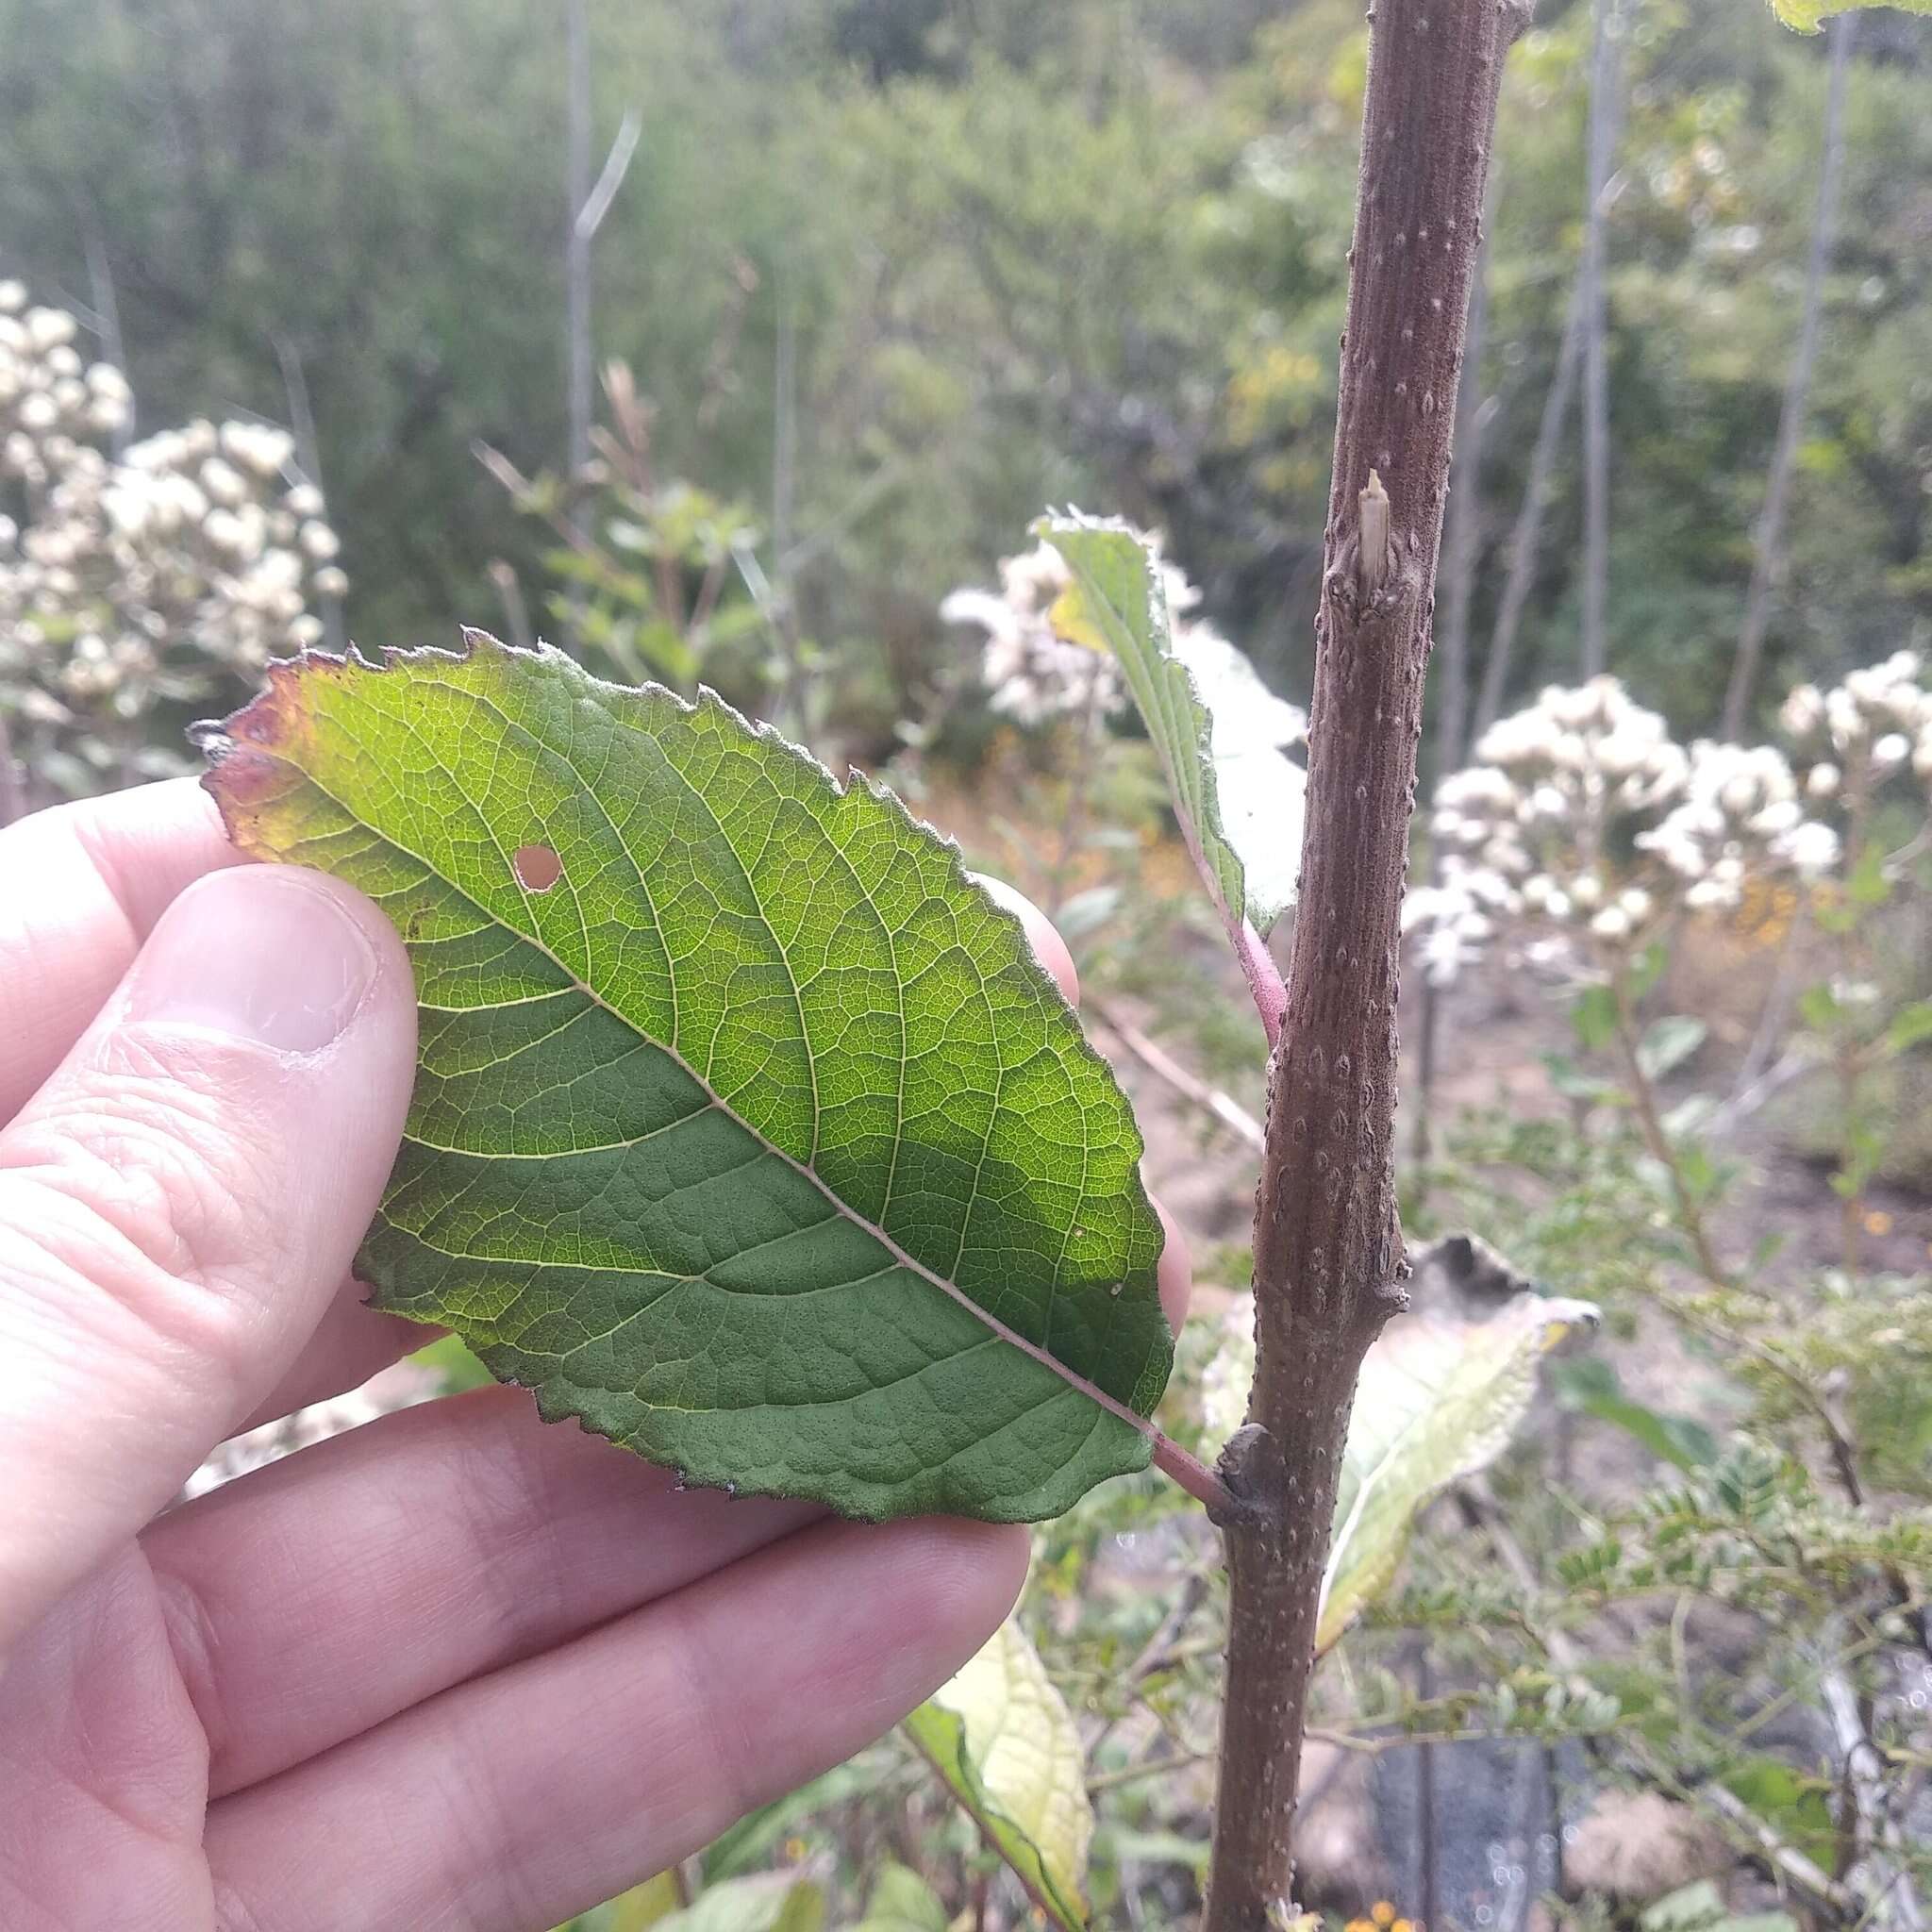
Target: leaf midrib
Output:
{"points": [[1139, 1424], [1190, 785]]}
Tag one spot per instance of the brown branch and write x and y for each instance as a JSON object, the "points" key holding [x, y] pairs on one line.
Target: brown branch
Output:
{"points": [[1766, 565], [13, 792], [1524, 537], [1878, 1868], [1162, 1064], [1327, 1239], [1657, 1141], [1606, 74]]}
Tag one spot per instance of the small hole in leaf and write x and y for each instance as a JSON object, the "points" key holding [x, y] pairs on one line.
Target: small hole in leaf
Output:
{"points": [[537, 867]]}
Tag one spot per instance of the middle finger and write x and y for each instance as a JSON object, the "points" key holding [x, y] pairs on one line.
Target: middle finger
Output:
{"points": [[323, 1594]]}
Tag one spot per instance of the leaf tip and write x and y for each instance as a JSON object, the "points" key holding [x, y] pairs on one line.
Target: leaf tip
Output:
{"points": [[244, 750]]}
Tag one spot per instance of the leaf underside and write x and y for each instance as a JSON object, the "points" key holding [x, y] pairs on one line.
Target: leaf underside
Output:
{"points": [[1438, 1399], [1239, 799], [1002, 1739], [745, 1128]]}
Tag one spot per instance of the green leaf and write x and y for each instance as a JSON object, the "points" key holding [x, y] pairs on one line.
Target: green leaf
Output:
{"points": [[1438, 1399], [644, 1906], [1795, 1804], [1594, 1016], [753, 1841], [1910, 1027], [902, 1902], [1647, 969], [746, 1128], [1218, 729], [1868, 883], [1668, 1043], [1808, 16], [1819, 1007], [1571, 1082], [1003, 1739], [1700, 1907], [772, 1902], [1160, 1848], [1592, 1387]]}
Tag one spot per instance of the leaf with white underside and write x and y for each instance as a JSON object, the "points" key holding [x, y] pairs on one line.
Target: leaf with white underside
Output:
{"points": [[1438, 1399], [746, 1127], [1218, 729], [1003, 1739], [1808, 16]]}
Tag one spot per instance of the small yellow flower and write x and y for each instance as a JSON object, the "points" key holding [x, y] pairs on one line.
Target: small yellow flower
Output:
{"points": [[795, 1848], [1878, 1220], [1383, 1913], [1360, 1925]]}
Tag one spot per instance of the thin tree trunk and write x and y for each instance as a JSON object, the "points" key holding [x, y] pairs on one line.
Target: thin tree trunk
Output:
{"points": [[1461, 541], [577, 243], [1462, 531], [784, 490], [101, 281], [12, 790], [1604, 78], [1768, 564], [308, 454], [1529, 519], [1328, 1252]]}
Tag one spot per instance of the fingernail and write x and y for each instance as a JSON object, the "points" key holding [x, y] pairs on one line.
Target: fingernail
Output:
{"points": [[259, 953]]}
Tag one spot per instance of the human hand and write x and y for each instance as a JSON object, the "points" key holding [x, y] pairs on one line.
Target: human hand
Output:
{"points": [[454, 1669]]}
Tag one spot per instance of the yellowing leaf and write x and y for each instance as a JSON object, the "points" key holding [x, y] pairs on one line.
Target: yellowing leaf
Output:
{"points": [[644, 1906], [746, 1127], [1438, 1399], [1002, 1737], [1808, 16]]}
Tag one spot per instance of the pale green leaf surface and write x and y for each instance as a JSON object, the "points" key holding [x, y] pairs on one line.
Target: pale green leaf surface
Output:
{"points": [[1438, 1399], [1668, 1043], [643, 1908], [772, 1902], [1003, 1739], [1218, 729], [758, 1140], [1808, 16], [902, 1901], [1700, 1907]]}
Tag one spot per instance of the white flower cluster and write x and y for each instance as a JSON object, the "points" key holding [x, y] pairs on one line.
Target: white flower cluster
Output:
{"points": [[1034, 675], [50, 400], [1862, 731], [125, 582], [1740, 815], [1583, 815]]}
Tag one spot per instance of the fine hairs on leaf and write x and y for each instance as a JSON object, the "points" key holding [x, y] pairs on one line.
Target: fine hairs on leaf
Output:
{"points": [[746, 1128]]}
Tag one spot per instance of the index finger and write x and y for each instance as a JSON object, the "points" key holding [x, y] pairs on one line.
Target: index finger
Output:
{"points": [[81, 887]]}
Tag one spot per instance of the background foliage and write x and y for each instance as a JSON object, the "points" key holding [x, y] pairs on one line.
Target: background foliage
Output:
{"points": [[1090, 253]]}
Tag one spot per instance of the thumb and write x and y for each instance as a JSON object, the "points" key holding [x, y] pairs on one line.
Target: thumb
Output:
{"points": [[181, 1200]]}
